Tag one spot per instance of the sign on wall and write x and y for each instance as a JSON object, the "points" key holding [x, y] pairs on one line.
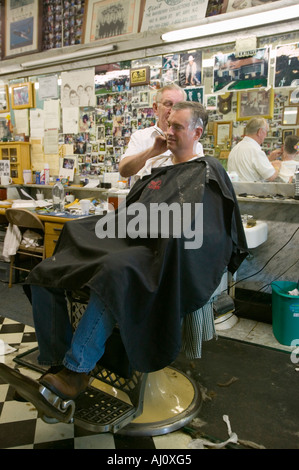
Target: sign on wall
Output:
{"points": [[162, 13]]}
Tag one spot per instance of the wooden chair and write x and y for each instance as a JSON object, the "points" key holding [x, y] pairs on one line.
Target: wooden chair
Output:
{"points": [[24, 219]]}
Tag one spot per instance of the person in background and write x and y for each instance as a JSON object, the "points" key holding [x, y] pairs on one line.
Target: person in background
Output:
{"points": [[247, 158], [289, 162], [147, 147]]}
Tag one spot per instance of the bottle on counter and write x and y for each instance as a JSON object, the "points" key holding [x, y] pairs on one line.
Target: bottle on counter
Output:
{"points": [[58, 196], [47, 173]]}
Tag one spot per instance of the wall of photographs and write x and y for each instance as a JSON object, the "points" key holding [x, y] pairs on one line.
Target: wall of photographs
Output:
{"points": [[29, 27], [91, 113], [63, 23]]}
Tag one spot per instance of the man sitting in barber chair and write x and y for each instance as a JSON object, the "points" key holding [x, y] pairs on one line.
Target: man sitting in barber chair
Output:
{"points": [[145, 284]]}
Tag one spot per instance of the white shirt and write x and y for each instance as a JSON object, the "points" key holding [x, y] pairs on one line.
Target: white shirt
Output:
{"points": [[287, 169], [142, 140], [249, 161]]}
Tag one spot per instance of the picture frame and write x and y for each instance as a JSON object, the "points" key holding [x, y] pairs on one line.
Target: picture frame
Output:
{"points": [[4, 100], [195, 94], [223, 132], [216, 8], [243, 70], [22, 95], [286, 71], [68, 166], [22, 28], [96, 19], [286, 133], [255, 103], [224, 154], [290, 116], [190, 70], [140, 76]]}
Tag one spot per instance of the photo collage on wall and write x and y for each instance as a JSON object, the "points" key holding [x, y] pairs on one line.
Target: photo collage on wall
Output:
{"points": [[62, 23], [120, 109], [102, 106], [104, 129]]}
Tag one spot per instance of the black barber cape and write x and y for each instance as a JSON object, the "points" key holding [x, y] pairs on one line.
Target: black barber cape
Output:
{"points": [[150, 284]]}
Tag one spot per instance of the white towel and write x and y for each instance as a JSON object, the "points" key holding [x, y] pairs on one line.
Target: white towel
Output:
{"points": [[12, 241]]}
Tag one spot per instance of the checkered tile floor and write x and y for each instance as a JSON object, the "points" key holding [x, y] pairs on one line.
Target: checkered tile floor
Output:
{"points": [[20, 427]]}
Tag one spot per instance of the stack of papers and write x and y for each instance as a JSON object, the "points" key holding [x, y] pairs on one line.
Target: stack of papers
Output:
{"points": [[30, 203]]}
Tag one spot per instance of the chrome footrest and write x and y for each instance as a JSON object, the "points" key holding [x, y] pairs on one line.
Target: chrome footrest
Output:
{"points": [[99, 411], [66, 407]]}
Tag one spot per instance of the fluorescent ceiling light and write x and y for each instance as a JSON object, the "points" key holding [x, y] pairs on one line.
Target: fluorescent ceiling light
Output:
{"points": [[233, 24], [81, 54]]}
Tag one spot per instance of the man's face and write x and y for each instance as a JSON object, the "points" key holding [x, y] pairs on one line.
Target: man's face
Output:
{"points": [[263, 131], [180, 137], [163, 108]]}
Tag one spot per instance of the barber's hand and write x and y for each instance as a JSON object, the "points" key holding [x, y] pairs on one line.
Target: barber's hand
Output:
{"points": [[275, 154], [160, 145]]}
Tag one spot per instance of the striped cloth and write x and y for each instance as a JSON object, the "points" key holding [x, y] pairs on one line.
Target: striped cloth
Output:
{"points": [[199, 326]]}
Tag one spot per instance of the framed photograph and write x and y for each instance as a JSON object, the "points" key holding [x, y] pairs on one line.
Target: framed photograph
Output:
{"points": [[216, 8], [224, 154], [255, 103], [67, 167], [190, 69], [22, 95], [286, 133], [140, 76], [110, 18], [290, 116], [211, 102], [223, 132], [4, 102], [195, 94], [22, 26], [286, 71], [244, 70]]}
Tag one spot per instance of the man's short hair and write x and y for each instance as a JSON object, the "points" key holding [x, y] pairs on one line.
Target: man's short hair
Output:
{"points": [[199, 115], [290, 142], [171, 86], [254, 125]]}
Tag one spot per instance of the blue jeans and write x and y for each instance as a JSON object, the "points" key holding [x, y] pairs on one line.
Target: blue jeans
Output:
{"points": [[78, 351]]}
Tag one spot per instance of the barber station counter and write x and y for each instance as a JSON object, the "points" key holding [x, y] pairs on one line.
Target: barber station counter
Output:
{"points": [[276, 258]]}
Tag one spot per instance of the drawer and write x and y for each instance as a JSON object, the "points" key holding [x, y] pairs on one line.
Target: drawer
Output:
{"points": [[50, 243], [52, 233], [53, 228]]}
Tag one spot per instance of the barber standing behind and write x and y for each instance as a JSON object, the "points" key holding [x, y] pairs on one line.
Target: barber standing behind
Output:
{"points": [[147, 147], [247, 158]]}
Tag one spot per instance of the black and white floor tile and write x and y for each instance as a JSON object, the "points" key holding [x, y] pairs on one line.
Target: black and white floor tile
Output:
{"points": [[21, 428]]}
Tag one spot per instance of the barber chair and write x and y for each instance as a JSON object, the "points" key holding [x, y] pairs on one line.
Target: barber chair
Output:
{"points": [[117, 399]]}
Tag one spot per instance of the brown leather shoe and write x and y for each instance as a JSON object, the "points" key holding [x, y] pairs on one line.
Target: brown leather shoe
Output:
{"points": [[66, 383], [52, 370]]}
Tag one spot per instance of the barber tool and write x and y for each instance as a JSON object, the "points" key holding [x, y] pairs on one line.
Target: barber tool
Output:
{"points": [[160, 132]]}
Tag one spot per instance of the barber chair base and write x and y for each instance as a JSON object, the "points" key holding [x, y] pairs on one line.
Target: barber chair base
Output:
{"points": [[94, 409], [171, 401]]}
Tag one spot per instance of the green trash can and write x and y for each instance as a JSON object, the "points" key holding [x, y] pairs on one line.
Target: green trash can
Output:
{"points": [[285, 312]]}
